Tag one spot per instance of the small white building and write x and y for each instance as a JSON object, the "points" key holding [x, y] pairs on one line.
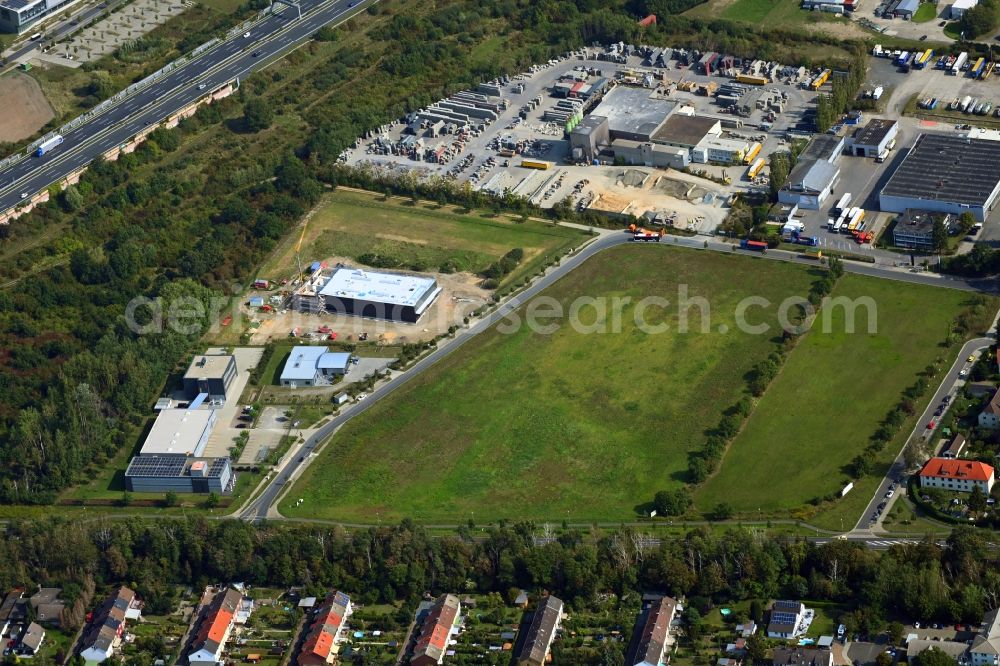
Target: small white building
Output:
{"points": [[989, 418], [312, 366]]}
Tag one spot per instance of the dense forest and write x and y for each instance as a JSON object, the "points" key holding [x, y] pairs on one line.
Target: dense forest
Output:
{"points": [[956, 582], [197, 208]]}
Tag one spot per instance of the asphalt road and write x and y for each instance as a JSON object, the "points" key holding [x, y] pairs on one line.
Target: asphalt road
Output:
{"points": [[897, 471], [269, 39], [258, 508]]}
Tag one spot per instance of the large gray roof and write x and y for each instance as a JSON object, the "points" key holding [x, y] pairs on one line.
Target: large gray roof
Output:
{"points": [[632, 111], [944, 167]]}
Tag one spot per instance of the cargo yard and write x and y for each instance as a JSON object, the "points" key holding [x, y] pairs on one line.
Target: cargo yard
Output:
{"points": [[537, 134], [671, 136]]}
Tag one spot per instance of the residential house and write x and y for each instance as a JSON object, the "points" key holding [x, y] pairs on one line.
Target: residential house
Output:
{"points": [[216, 623], [47, 605], [990, 416], [787, 619], [728, 661], [439, 622], [737, 648], [107, 625], [541, 632], [985, 650], [953, 649], [12, 610], [799, 656], [654, 640], [31, 641], [957, 475], [326, 631], [746, 630], [954, 448]]}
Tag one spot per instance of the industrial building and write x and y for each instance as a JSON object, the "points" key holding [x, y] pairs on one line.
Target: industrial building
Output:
{"points": [[179, 474], [179, 432], [589, 137], [644, 153], [683, 131], [720, 150], [633, 113], [959, 7], [873, 139], [915, 229], [311, 366], [361, 293], [906, 8], [17, 16], [211, 374], [946, 174], [815, 174]]}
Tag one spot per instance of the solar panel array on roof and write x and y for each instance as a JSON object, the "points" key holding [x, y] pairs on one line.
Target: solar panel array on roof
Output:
{"points": [[943, 167]]}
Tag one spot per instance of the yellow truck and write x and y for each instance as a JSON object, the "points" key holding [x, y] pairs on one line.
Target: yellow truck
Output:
{"points": [[752, 79], [541, 165]]}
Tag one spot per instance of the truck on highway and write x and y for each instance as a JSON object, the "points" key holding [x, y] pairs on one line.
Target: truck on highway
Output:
{"points": [[48, 144], [754, 246]]}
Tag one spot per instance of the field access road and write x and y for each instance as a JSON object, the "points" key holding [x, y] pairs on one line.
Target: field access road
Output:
{"points": [[897, 470], [268, 40], [263, 506]]}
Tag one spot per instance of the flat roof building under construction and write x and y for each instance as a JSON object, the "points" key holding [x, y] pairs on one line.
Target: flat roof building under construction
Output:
{"points": [[362, 293], [946, 174]]}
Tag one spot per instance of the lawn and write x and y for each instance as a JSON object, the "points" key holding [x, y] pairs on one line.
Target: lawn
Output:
{"points": [[421, 237], [831, 395], [561, 426], [786, 13], [926, 12]]}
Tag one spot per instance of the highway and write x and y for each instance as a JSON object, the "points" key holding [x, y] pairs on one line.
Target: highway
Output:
{"points": [[263, 506], [269, 39]]}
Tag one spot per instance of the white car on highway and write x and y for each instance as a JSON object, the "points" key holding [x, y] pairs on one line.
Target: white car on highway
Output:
{"points": [[246, 35]]}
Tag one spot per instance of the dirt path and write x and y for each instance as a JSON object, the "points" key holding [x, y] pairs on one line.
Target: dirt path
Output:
{"points": [[26, 110]]}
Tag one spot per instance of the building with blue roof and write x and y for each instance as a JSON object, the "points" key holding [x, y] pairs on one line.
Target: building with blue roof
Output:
{"points": [[312, 366]]}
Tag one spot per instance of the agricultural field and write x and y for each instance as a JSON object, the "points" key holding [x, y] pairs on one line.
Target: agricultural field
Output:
{"points": [[828, 400], [560, 426], [421, 236]]}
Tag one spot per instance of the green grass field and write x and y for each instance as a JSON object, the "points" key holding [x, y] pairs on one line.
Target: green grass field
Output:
{"points": [[786, 13], [832, 393], [561, 426], [926, 12], [419, 237]]}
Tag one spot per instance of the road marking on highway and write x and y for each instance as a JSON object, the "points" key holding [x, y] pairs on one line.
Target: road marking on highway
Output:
{"points": [[166, 96]]}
